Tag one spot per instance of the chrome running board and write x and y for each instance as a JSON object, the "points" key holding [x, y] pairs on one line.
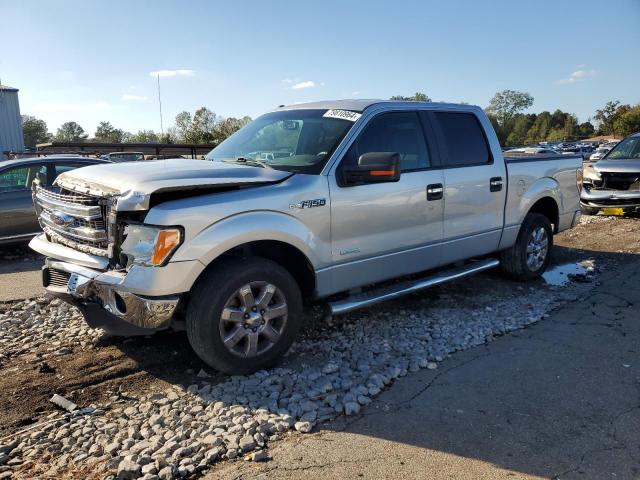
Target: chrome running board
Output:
{"points": [[366, 299]]}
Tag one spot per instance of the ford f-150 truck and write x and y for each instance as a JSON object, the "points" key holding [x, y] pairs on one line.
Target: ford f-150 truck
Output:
{"points": [[347, 203]]}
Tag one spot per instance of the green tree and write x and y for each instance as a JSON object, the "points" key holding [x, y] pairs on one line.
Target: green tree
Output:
{"points": [[417, 97], [203, 125], [35, 131], [557, 120], [199, 128], [182, 127], [144, 136], [228, 126], [506, 104], [586, 130], [70, 132], [570, 127], [521, 126], [608, 115], [628, 122], [105, 132], [540, 128]]}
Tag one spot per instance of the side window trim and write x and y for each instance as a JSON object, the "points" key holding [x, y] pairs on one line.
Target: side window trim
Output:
{"points": [[433, 146], [442, 144], [434, 160], [51, 173]]}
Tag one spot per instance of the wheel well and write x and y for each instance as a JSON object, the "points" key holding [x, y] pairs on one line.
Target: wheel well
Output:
{"points": [[284, 254], [548, 207]]}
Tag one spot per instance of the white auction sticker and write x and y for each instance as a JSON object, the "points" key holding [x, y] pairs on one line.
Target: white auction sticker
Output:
{"points": [[343, 114]]}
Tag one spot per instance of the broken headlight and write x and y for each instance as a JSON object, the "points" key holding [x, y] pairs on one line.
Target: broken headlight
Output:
{"points": [[149, 246]]}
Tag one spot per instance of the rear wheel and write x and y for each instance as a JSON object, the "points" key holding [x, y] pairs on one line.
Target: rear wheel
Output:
{"points": [[244, 315], [529, 257]]}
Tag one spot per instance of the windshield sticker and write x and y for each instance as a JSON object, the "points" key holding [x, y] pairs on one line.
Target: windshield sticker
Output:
{"points": [[343, 114]]}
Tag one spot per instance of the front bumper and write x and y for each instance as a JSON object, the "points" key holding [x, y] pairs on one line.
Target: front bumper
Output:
{"points": [[103, 301], [594, 198]]}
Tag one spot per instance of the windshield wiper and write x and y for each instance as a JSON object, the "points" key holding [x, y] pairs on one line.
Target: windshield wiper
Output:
{"points": [[250, 161]]}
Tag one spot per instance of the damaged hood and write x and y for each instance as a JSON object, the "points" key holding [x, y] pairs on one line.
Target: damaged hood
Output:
{"points": [[134, 182], [630, 165]]}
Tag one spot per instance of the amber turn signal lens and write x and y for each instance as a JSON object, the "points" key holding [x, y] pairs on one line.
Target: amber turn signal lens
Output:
{"points": [[167, 241], [382, 173]]}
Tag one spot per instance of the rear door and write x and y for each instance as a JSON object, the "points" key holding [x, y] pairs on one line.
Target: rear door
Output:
{"points": [[383, 230], [474, 186], [17, 215]]}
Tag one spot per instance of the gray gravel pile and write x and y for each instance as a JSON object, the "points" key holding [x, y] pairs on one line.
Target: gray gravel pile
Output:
{"points": [[589, 219], [42, 326], [180, 432]]}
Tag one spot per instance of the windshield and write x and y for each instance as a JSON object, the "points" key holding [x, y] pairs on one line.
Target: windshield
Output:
{"points": [[292, 140], [627, 148], [126, 157]]}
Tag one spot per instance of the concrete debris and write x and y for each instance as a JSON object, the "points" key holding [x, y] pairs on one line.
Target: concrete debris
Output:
{"points": [[63, 403]]}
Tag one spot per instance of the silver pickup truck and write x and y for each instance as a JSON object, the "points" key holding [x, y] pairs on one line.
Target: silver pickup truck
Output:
{"points": [[348, 203]]}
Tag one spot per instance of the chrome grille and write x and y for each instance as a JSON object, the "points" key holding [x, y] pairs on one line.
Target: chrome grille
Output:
{"points": [[72, 219], [621, 181], [57, 278]]}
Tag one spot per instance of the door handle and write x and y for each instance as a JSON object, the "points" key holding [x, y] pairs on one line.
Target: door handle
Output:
{"points": [[435, 191], [495, 184]]}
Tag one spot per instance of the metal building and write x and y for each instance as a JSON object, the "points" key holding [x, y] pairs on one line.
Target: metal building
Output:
{"points": [[11, 138]]}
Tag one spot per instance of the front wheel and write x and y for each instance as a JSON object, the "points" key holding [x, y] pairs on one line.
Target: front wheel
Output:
{"points": [[529, 257], [244, 314]]}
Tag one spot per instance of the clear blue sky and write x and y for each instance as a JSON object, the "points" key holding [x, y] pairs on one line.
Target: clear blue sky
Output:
{"points": [[90, 61]]}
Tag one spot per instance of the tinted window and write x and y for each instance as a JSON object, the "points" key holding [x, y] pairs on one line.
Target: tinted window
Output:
{"points": [[464, 139], [20, 178], [399, 132]]}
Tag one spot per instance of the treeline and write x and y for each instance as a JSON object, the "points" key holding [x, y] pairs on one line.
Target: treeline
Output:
{"points": [[204, 126], [518, 128], [515, 128], [525, 129], [505, 110]]}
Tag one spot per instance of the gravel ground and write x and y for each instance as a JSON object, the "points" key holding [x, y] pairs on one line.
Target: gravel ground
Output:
{"points": [[170, 429]]}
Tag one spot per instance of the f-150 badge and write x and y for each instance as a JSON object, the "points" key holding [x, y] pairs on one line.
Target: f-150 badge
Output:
{"points": [[318, 202]]}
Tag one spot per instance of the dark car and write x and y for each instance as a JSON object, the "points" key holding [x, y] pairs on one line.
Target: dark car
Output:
{"points": [[18, 220]]}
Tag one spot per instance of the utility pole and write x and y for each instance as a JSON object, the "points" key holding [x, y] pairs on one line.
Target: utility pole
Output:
{"points": [[160, 106]]}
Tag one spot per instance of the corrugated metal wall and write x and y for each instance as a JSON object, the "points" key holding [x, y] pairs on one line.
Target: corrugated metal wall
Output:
{"points": [[11, 138]]}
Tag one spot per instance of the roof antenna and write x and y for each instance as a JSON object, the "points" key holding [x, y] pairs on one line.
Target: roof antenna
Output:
{"points": [[160, 105]]}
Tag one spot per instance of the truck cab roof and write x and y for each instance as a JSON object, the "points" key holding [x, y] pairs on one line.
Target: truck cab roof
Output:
{"points": [[360, 105]]}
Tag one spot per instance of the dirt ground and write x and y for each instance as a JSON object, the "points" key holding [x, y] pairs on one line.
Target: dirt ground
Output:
{"points": [[113, 368]]}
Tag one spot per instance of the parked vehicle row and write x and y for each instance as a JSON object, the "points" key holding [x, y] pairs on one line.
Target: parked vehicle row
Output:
{"points": [[588, 150], [323, 202], [18, 220]]}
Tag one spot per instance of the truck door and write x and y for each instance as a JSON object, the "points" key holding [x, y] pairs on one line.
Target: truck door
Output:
{"points": [[383, 230], [474, 186]]}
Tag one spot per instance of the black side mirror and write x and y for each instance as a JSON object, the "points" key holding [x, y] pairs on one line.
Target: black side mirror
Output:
{"points": [[374, 167]]}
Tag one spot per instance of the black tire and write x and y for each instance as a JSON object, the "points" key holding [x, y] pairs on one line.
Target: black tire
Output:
{"points": [[513, 261], [211, 295]]}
